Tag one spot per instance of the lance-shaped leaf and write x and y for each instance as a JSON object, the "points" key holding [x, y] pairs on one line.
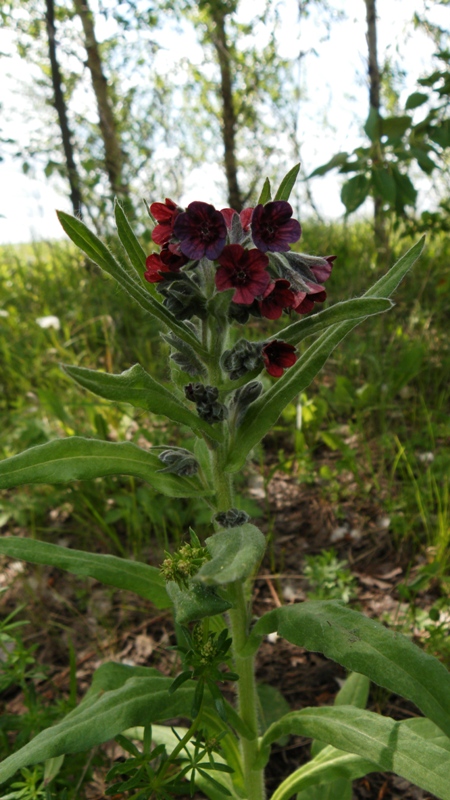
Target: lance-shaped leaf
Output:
{"points": [[266, 193], [142, 579], [363, 645], [235, 554], [101, 717], [381, 740], [328, 776], [195, 602], [94, 248], [357, 309], [264, 412], [137, 387], [132, 247], [79, 459], [287, 184]]}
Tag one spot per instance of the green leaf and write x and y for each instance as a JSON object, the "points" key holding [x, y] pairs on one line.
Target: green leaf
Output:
{"points": [[440, 133], [235, 554], [94, 248], [363, 645], [287, 184], [424, 161], [271, 706], [196, 602], [390, 744], [328, 776], [340, 787], [337, 161], [415, 100], [384, 185], [354, 192], [265, 195], [372, 126], [137, 387], [264, 412], [102, 717], [354, 692], [405, 189], [142, 579], [360, 308], [79, 459], [394, 127], [132, 247]]}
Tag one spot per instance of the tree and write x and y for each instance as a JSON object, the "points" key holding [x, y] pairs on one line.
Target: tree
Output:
{"points": [[61, 108], [114, 156], [382, 169]]}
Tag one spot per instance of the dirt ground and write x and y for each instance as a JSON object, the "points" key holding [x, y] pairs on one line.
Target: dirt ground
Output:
{"points": [[103, 624]]}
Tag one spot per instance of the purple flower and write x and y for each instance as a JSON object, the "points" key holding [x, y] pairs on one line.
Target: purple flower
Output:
{"points": [[201, 231], [244, 270], [272, 226], [278, 356]]}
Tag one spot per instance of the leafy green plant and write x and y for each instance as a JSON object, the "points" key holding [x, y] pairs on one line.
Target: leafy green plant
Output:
{"points": [[328, 577], [214, 269]]}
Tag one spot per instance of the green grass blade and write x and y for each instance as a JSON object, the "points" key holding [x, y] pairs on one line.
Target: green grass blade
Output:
{"points": [[137, 387], [363, 645], [142, 579], [390, 744], [94, 248], [79, 459]]}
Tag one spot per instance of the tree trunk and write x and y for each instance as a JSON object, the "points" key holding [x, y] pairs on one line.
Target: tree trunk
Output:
{"points": [[61, 109], [219, 40], [108, 127], [380, 232]]}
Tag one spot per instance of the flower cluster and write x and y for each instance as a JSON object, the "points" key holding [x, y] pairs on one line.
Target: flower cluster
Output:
{"points": [[247, 252]]}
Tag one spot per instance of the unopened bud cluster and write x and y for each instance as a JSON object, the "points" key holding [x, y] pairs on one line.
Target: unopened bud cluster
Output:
{"points": [[184, 564]]}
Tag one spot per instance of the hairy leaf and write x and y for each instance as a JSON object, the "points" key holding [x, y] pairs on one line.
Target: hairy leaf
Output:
{"points": [[79, 459], [142, 579], [235, 554]]}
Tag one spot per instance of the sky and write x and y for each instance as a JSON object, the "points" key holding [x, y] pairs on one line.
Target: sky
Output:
{"points": [[335, 104]]}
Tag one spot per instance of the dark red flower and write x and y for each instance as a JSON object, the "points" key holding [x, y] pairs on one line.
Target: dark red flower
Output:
{"points": [[168, 260], [244, 270], [278, 356], [201, 230], [272, 226], [165, 214], [277, 297], [305, 301], [245, 216]]}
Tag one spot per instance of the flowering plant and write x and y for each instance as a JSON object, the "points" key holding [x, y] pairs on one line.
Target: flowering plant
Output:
{"points": [[215, 269]]}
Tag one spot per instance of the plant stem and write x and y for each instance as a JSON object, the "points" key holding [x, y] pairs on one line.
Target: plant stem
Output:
{"points": [[247, 697], [244, 665]]}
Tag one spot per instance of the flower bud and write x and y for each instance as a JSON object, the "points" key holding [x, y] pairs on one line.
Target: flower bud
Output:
{"points": [[183, 299], [205, 398], [242, 358], [180, 462], [243, 397], [232, 518]]}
